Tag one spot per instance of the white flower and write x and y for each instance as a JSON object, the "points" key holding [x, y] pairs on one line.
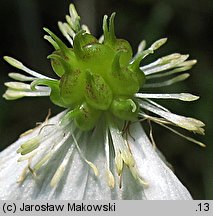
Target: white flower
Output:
{"points": [[58, 170], [97, 150]]}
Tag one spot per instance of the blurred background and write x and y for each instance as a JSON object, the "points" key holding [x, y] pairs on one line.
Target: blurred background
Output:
{"points": [[189, 26]]}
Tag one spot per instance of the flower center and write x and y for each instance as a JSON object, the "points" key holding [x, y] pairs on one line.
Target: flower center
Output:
{"points": [[97, 77]]}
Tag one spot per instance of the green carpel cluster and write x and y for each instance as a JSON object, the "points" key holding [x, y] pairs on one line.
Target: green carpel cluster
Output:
{"points": [[95, 77]]}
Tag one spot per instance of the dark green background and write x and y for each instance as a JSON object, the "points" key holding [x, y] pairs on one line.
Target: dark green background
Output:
{"points": [[189, 27]]}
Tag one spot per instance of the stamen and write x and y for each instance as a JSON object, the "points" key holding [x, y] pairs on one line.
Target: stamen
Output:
{"points": [[164, 63], [29, 146], [64, 31], [20, 77], [167, 82], [118, 161], [109, 175], [136, 175], [23, 175], [94, 168], [157, 105], [74, 19], [11, 94], [180, 68], [181, 96], [155, 119], [151, 135], [59, 172], [110, 179], [48, 155], [27, 156], [51, 41], [190, 124], [181, 135], [122, 148], [164, 123], [141, 46], [85, 28], [19, 65], [141, 55]]}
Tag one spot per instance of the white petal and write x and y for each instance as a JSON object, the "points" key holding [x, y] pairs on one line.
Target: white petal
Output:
{"points": [[11, 170], [97, 187], [78, 180], [163, 184]]}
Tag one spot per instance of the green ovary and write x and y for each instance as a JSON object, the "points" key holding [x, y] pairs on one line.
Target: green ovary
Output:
{"points": [[97, 78]]}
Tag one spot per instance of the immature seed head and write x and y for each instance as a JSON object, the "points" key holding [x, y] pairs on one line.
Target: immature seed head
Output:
{"points": [[96, 77]]}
